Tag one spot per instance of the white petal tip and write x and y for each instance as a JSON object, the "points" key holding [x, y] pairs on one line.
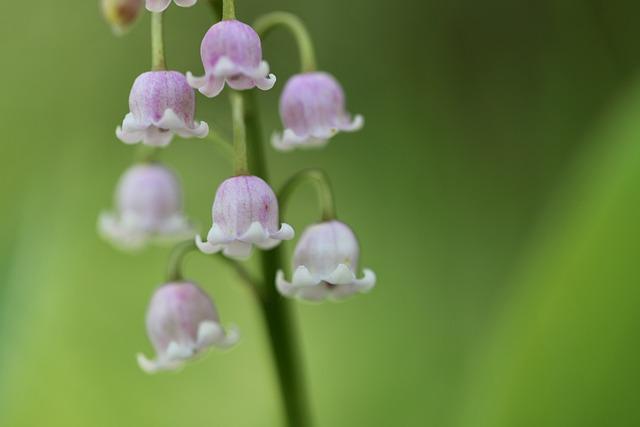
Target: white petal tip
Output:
{"points": [[148, 366], [211, 334], [367, 282], [206, 247], [286, 232]]}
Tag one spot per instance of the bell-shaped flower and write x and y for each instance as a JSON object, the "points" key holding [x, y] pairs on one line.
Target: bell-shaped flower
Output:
{"points": [[231, 52], [182, 322], [148, 208], [325, 265], [161, 5], [312, 108], [121, 14], [245, 213], [162, 104]]}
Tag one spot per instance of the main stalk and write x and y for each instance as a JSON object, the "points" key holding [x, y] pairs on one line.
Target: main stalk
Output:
{"points": [[275, 309]]}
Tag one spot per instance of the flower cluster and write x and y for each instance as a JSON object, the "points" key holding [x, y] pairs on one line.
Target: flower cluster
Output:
{"points": [[182, 321]]}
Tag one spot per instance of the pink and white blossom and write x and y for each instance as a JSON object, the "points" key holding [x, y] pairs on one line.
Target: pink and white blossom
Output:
{"points": [[161, 5], [182, 322], [312, 108], [245, 213], [162, 104], [325, 265], [148, 208], [231, 53]]}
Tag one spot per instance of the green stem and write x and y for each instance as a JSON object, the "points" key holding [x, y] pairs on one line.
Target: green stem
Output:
{"points": [[181, 250], [176, 259], [239, 134], [147, 154], [291, 22], [228, 9], [216, 7], [157, 43], [275, 309], [321, 182]]}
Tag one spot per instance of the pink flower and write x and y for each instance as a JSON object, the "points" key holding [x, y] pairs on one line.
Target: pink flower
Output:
{"points": [[231, 52], [245, 213], [181, 323], [121, 14], [161, 5], [162, 105], [312, 108], [325, 264], [148, 208]]}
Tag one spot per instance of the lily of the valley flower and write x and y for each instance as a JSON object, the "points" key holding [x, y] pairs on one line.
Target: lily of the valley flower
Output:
{"points": [[121, 14], [162, 104], [161, 5], [231, 52], [312, 108], [182, 322], [245, 213], [148, 207], [325, 264]]}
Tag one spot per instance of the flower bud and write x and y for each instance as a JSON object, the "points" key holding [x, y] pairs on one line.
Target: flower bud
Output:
{"points": [[149, 206], [182, 322], [312, 108], [161, 5], [245, 213], [162, 104], [121, 14], [231, 52], [325, 264]]}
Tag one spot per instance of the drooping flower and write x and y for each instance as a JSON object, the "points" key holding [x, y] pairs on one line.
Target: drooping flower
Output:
{"points": [[231, 52], [245, 213], [312, 108], [148, 208], [121, 14], [325, 264], [182, 322], [161, 5], [162, 105]]}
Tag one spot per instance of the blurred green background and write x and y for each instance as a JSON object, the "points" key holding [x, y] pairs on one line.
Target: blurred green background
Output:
{"points": [[494, 188]]}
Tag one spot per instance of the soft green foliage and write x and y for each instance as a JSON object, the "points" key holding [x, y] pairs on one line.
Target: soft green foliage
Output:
{"points": [[493, 188]]}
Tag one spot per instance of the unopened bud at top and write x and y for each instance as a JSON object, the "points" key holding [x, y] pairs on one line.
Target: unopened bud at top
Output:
{"points": [[182, 321], [325, 264], [245, 213], [312, 108], [121, 14], [232, 53]]}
